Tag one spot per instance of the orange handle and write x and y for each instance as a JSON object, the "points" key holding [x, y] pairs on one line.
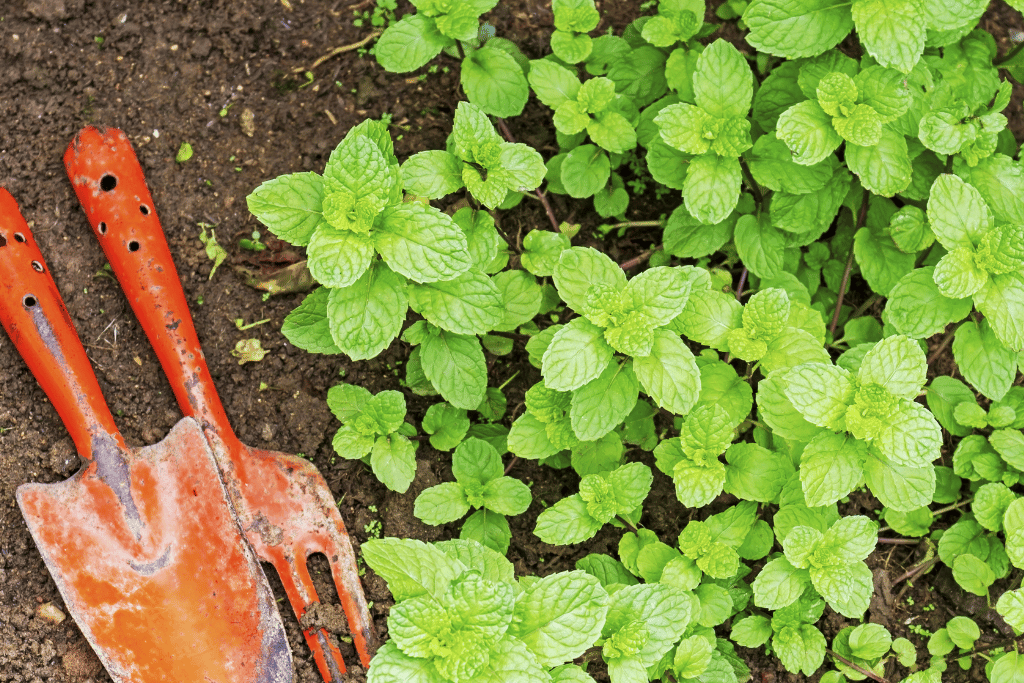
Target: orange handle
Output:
{"points": [[33, 313], [112, 189]]}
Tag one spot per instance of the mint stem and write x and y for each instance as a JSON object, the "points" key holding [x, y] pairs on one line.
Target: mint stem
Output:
{"points": [[638, 224], [870, 674], [755, 189], [899, 541], [637, 260], [1013, 52], [743, 282], [625, 521], [861, 219], [915, 570], [507, 134], [943, 344], [864, 306], [983, 648]]}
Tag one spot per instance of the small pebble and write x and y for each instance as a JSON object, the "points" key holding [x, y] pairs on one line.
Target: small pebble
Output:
{"points": [[49, 612]]}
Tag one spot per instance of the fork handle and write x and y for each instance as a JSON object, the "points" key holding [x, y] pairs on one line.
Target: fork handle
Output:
{"points": [[112, 189], [33, 313]]}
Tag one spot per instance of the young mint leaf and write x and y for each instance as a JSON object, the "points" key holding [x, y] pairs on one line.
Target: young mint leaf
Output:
{"points": [[560, 616], [881, 262], [585, 170], [709, 316], [821, 393], [410, 43], [892, 31], [983, 361], [897, 364], [289, 205], [723, 85], [577, 355], [366, 316], [528, 439], [1000, 181], [831, 467], [487, 528], [771, 164], [579, 269], [391, 665], [1001, 301], [567, 522], [760, 245], [807, 130], [797, 28], [455, 365], [973, 575], [446, 424], [432, 174], [669, 374], [410, 567], [541, 250], [421, 243], [603, 403], [944, 395], [755, 473], [883, 168], [393, 460], [494, 81], [466, 304], [918, 309], [606, 569], [553, 84], [957, 214], [779, 584], [779, 414], [307, 326], [1011, 607], [897, 486], [441, 504], [712, 187], [337, 258]]}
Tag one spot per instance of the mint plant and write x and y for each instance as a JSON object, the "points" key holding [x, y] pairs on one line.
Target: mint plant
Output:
{"points": [[479, 483], [374, 429], [490, 72], [493, 171]]}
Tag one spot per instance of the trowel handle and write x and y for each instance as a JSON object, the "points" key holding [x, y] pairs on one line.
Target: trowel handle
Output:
{"points": [[112, 189], [33, 313]]}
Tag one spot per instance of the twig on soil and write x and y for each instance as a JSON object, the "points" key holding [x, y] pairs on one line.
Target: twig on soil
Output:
{"points": [[864, 672], [916, 569], [511, 464], [337, 51], [861, 219], [636, 261], [899, 541], [507, 134], [942, 345]]}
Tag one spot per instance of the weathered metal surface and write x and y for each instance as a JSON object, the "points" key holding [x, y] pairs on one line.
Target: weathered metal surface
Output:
{"points": [[283, 503], [142, 543]]}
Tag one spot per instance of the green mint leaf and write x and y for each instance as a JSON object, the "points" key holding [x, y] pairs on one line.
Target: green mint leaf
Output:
{"points": [[948, 15], [723, 84], [944, 395], [1009, 443], [779, 414], [779, 584], [560, 616], [630, 485], [755, 473], [862, 126], [571, 48], [455, 365], [892, 31], [347, 401], [410, 567], [760, 245], [918, 309], [432, 174], [485, 246], [494, 81], [811, 213], [386, 410], [881, 262], [897, 364], [528, 439], [990, 504], [612, 200], [607, 570], [393, 461], [289, 205], [612, 131], [603, 403], [489, 529], [846, 588], [337, 258], [566, 522], [807, 130], [660, 292], [446, 424], [467, 304], [687, 237], [390, 664], [884, 91], [350, 443], [800, 648], [692, 657], [669, 375], [983, 361], [799, 545], [522, 298], [957, 213], [668, 166], [659, 611], [594, 457], [821, 393], [366, 316], [422, 243], [477, 461], [712, 187], [507, 496], [1011, 607], [1002, 303], [1000, 181], [849, 540], [472, 133], [307, 326], [883, 168], [553, 84], [585, 170], [831, 467], [441, 504], [957, 274], [541, 250], [577, 355], [973, 575], [579, 269], [771, 164], [966, 537], [898, 487], [709, 316], [751, 631], [797, 28], [409, 44]]}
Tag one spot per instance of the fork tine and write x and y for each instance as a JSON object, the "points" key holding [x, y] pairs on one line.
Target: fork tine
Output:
{"points": [[302, 595]]}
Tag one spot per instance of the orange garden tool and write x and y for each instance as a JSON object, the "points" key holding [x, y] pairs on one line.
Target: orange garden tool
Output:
{"points": [[283, 503], [142, 543]]}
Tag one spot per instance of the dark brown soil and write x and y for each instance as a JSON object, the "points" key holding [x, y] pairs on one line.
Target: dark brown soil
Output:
{"points": [[192, 70]]}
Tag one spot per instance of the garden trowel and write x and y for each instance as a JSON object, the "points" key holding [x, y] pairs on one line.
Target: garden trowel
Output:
{"points": [[142, 543]]}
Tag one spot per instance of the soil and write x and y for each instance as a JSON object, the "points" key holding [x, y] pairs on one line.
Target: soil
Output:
{"points": [[228, 77]]}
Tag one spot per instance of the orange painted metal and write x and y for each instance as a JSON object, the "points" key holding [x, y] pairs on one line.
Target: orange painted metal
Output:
{"points": [[142, 543], [283, 502]]}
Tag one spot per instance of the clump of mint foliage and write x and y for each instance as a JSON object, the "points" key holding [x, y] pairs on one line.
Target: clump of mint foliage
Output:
{"points": [[849, 220]]}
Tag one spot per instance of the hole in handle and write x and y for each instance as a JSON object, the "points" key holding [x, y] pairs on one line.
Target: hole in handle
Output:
{"points": [[134, 246], [144, 209], [18, 237], [37, 266], [29, 301], [108, 183], [102, 228], [3, 241]]}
